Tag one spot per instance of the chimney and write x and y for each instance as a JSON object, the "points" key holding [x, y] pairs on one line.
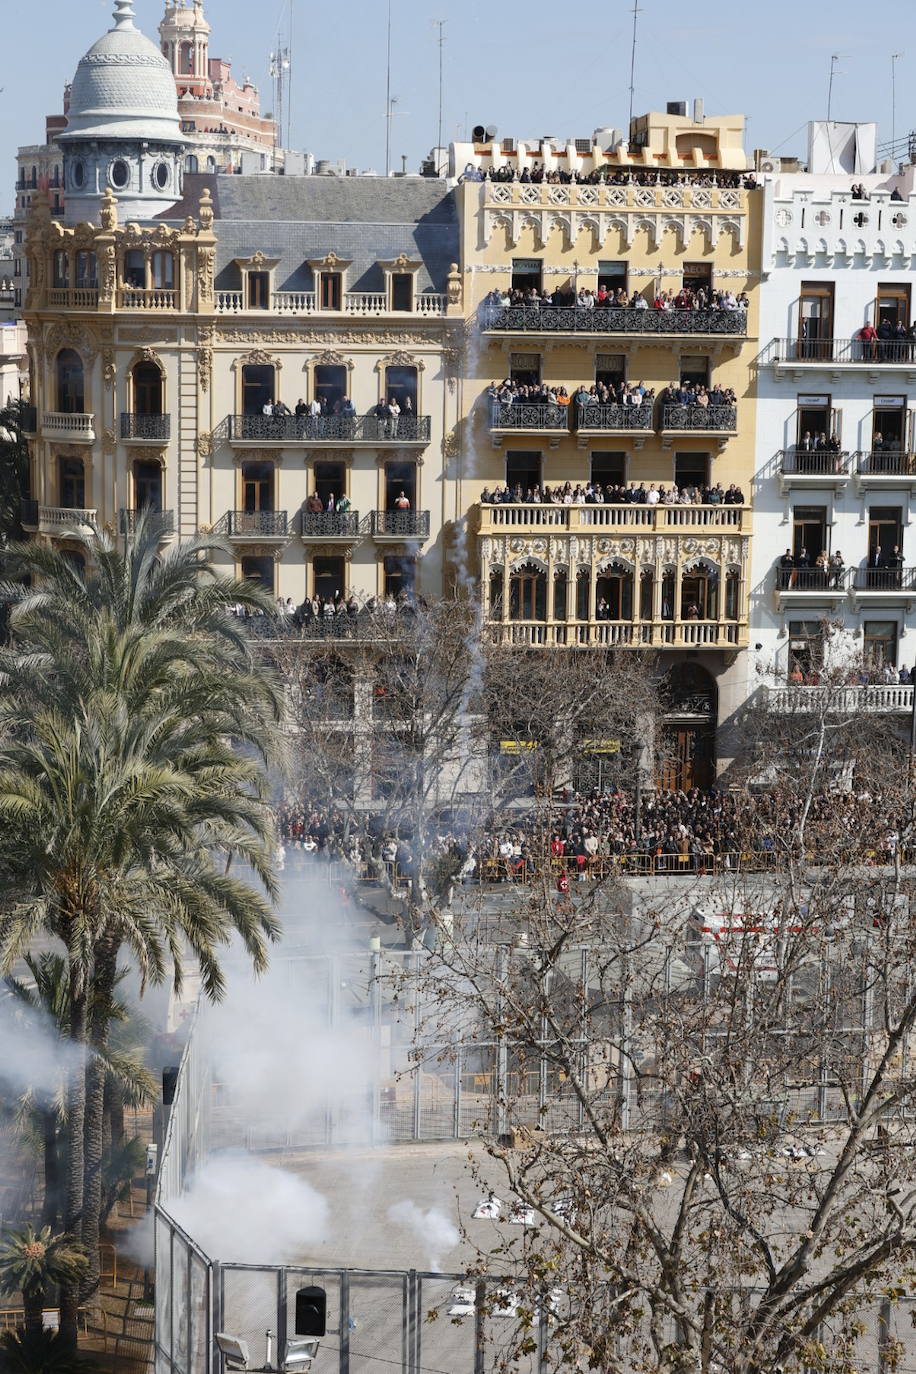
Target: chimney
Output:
{"points": [[699, 113]]}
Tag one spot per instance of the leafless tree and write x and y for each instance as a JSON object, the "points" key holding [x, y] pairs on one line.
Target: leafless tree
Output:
{"points": [[703, 1088]]}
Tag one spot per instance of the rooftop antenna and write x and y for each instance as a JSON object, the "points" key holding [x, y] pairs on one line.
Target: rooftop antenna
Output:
{"points": [[440, 24], [895, 58], [636, 12], [388, 99], [835, 58], [289, 81]]}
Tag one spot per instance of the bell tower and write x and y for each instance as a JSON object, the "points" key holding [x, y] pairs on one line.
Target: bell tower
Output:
{"points": [[185, 38]]}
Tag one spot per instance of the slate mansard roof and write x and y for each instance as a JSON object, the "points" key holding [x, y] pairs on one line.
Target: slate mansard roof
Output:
{"points": [[295, 219]]}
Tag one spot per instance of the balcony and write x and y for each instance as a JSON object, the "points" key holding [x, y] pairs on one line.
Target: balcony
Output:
{"points": [[714, 420], [355, 430], [579, 319], [431, 304], [640, 634], [800, 586], [318, 526], [848, 701], [147, 298], [55, 520], [537, 419], [875, 470], [127, 520], [811, 355], [802, 468], [398, 525], [145, 428], [614, 419], [75, 428], [256, 526], [74, 297], [885, 585], [503, 519]]}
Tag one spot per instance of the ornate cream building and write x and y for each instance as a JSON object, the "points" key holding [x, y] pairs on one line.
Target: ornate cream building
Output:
{"points": [[157, 343], [672, 211]]}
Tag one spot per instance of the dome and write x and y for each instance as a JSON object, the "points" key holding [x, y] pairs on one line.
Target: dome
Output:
{"points": [[123, 88]]}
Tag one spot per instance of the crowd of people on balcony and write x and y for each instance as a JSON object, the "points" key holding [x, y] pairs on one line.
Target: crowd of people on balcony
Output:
{"points": [[888, 342], [687, 298], [879, 675], [615, 494], [511, 393], [608, 176], [804, 570], [697, 396]]}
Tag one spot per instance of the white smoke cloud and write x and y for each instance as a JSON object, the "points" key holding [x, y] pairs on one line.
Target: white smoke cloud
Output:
{"points": [[432, 1228], [243, 1210]]}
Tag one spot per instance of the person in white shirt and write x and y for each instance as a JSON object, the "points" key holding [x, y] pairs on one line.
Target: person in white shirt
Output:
{"points": [[652, 496]]}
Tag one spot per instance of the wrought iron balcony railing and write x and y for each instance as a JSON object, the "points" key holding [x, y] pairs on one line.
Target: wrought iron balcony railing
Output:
{"points": [[797, 462], [303, 429], [812, 579], [884, 580], [400, 524], [145, 426], [127, 520], [881, 463], [864, 352], [578, 319], [528, 417], [253, 524], [614, 417], [328, 525], [720, 418]]}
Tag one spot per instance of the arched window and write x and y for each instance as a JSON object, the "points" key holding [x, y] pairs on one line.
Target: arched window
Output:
{"points": [[190, 163], [732, 594], [87, 273], [70, 389], [186, 60], [496, 593], [135, 269], [162, 271], [668, 586], [646, 590], [560, 593], [614, 590], [71, 476], [700, 593], [583, 594], [147, 380], [258, 381], [61, 268], [528, 593], [401, 382]]}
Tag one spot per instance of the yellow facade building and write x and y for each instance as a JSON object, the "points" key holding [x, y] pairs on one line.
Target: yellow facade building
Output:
{"points": [[672, 214]]}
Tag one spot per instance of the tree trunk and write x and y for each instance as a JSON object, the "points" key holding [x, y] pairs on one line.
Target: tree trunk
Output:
{"points": [[32, 1306], [76, 1115], [51, 1203], [104, 972]]}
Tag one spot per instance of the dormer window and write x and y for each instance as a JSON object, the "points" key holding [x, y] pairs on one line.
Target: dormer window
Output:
{"points": [[331, 291], [257, 280], [401, 283], [329, 274]]}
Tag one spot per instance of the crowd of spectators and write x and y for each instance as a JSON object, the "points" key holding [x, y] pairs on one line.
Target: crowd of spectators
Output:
{"points": [[687, 298], [695, 395], [615, 494], [608, 176], [889, 342], [881, 675], [696, 830]]}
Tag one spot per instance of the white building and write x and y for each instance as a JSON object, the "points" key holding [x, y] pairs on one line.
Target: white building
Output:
{"points": [[836, 263]]}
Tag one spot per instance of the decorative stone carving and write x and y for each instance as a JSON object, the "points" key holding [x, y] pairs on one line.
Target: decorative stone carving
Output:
{"points": [[330, 358], [205, 444], [79, 337], [109, 371], [400, 359]]}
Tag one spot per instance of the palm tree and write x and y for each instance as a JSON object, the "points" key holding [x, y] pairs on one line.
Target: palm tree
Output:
{"points": [[33, 1261], [134, 736], [40, 1111]]}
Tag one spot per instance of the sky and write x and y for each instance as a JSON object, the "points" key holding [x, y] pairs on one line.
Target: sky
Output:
{"points": [[532, 70]]}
